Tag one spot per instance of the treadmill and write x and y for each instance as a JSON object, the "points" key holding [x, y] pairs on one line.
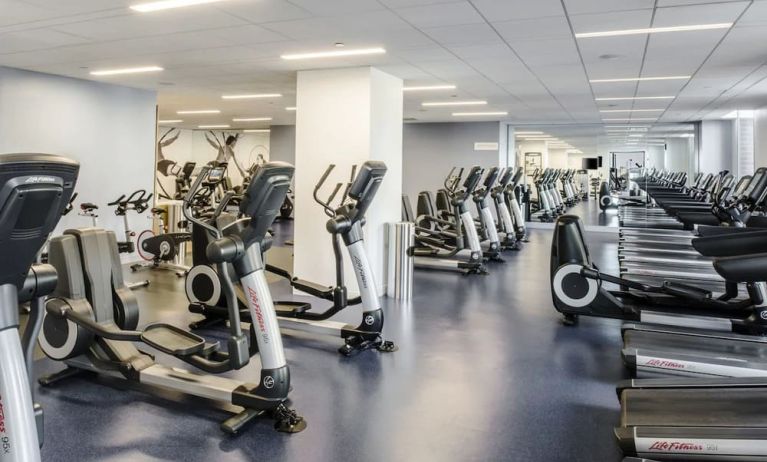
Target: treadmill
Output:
{"points": [[652, 350], [723, 419], [670, 256]]}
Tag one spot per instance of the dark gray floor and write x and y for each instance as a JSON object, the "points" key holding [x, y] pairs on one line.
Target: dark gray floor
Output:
{"points": [[485, 372], [590, 213]]}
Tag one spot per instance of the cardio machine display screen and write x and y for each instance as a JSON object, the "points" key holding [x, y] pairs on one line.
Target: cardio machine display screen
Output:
{"points": [[215, 175]]}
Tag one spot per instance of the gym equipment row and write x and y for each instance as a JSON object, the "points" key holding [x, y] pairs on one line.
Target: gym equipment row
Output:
{"points": [[86, 316], [448, 237], [550, 201], [693, 302]]}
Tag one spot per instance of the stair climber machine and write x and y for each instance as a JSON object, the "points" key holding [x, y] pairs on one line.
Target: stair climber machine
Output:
{"points": [[576, 287], [137, 201], [506, 229], [80, 327], [452, 243], [344, 224], [34, 192], [485, 224]]}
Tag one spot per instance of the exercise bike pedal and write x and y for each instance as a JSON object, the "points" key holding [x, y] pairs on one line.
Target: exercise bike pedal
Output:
{"points": [[172, 340]]}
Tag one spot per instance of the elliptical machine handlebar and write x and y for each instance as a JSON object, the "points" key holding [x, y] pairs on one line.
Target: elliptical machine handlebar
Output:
{"points": [[187, 203]]}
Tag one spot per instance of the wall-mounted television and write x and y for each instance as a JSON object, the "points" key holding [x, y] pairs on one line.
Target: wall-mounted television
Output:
{"points": [[590, 163]]}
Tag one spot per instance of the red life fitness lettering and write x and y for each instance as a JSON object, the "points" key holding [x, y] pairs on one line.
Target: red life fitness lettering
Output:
{"points": [[675, 446], [259, 315], [666, 364]]}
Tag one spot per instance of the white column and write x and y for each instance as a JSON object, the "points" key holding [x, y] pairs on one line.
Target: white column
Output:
{"points": [[345, 117]]}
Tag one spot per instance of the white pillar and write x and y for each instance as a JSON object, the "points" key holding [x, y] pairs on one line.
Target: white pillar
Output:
{"points": [[345, 117]]}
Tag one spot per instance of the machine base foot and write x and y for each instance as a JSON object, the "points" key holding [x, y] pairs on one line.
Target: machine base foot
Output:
{"points": [[287, 420]]}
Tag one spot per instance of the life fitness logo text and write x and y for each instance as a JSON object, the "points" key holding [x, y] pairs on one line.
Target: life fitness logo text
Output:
{"points": [[665, 364], [4, 440], [675, 446], [40, 179], [259, 314], [360, 269]]}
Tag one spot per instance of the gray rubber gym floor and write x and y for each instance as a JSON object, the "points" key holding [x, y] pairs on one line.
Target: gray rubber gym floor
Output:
{"points": [[485, 372]]}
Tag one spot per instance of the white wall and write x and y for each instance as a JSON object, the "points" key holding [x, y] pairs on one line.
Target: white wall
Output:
{"points": [[430, 150], [760, 138], [109, 129], [717, 146], [345, 117], [679, 155], [557, 158], [282, 143], [191, 146]]}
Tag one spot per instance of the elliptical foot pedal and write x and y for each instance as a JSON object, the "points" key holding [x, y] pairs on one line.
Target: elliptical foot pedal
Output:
{"points": [[291, 309], [172, 340]]}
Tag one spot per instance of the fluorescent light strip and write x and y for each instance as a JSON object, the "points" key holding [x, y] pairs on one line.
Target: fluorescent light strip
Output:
{"points": [[655, 30], [642, 79], [634, 98], [334, 53], [252, 119], [632, 110], [200, 111], [520, 133], [632, 118], [479, 114], [170, 121], [257, 130], [213, 126], [627, 126], [168, 4], [128, 70], [254, 96], [290, 108], [454, 103], [429, 88]]}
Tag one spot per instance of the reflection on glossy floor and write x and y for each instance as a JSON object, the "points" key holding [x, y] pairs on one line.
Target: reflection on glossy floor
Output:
{"points": [[485, 372], [592, 215]]}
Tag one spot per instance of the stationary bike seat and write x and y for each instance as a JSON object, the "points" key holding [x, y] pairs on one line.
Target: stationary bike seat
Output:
{"points": [[157, 211], [88, 206], [172, 340]]}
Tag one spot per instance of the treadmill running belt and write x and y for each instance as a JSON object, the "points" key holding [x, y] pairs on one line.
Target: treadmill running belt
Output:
{"points": [[695, 424]]}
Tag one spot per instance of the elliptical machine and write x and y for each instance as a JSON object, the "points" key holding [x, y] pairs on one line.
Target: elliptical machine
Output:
{"points": [[345, 223], [36, 190], [81, 330]]}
